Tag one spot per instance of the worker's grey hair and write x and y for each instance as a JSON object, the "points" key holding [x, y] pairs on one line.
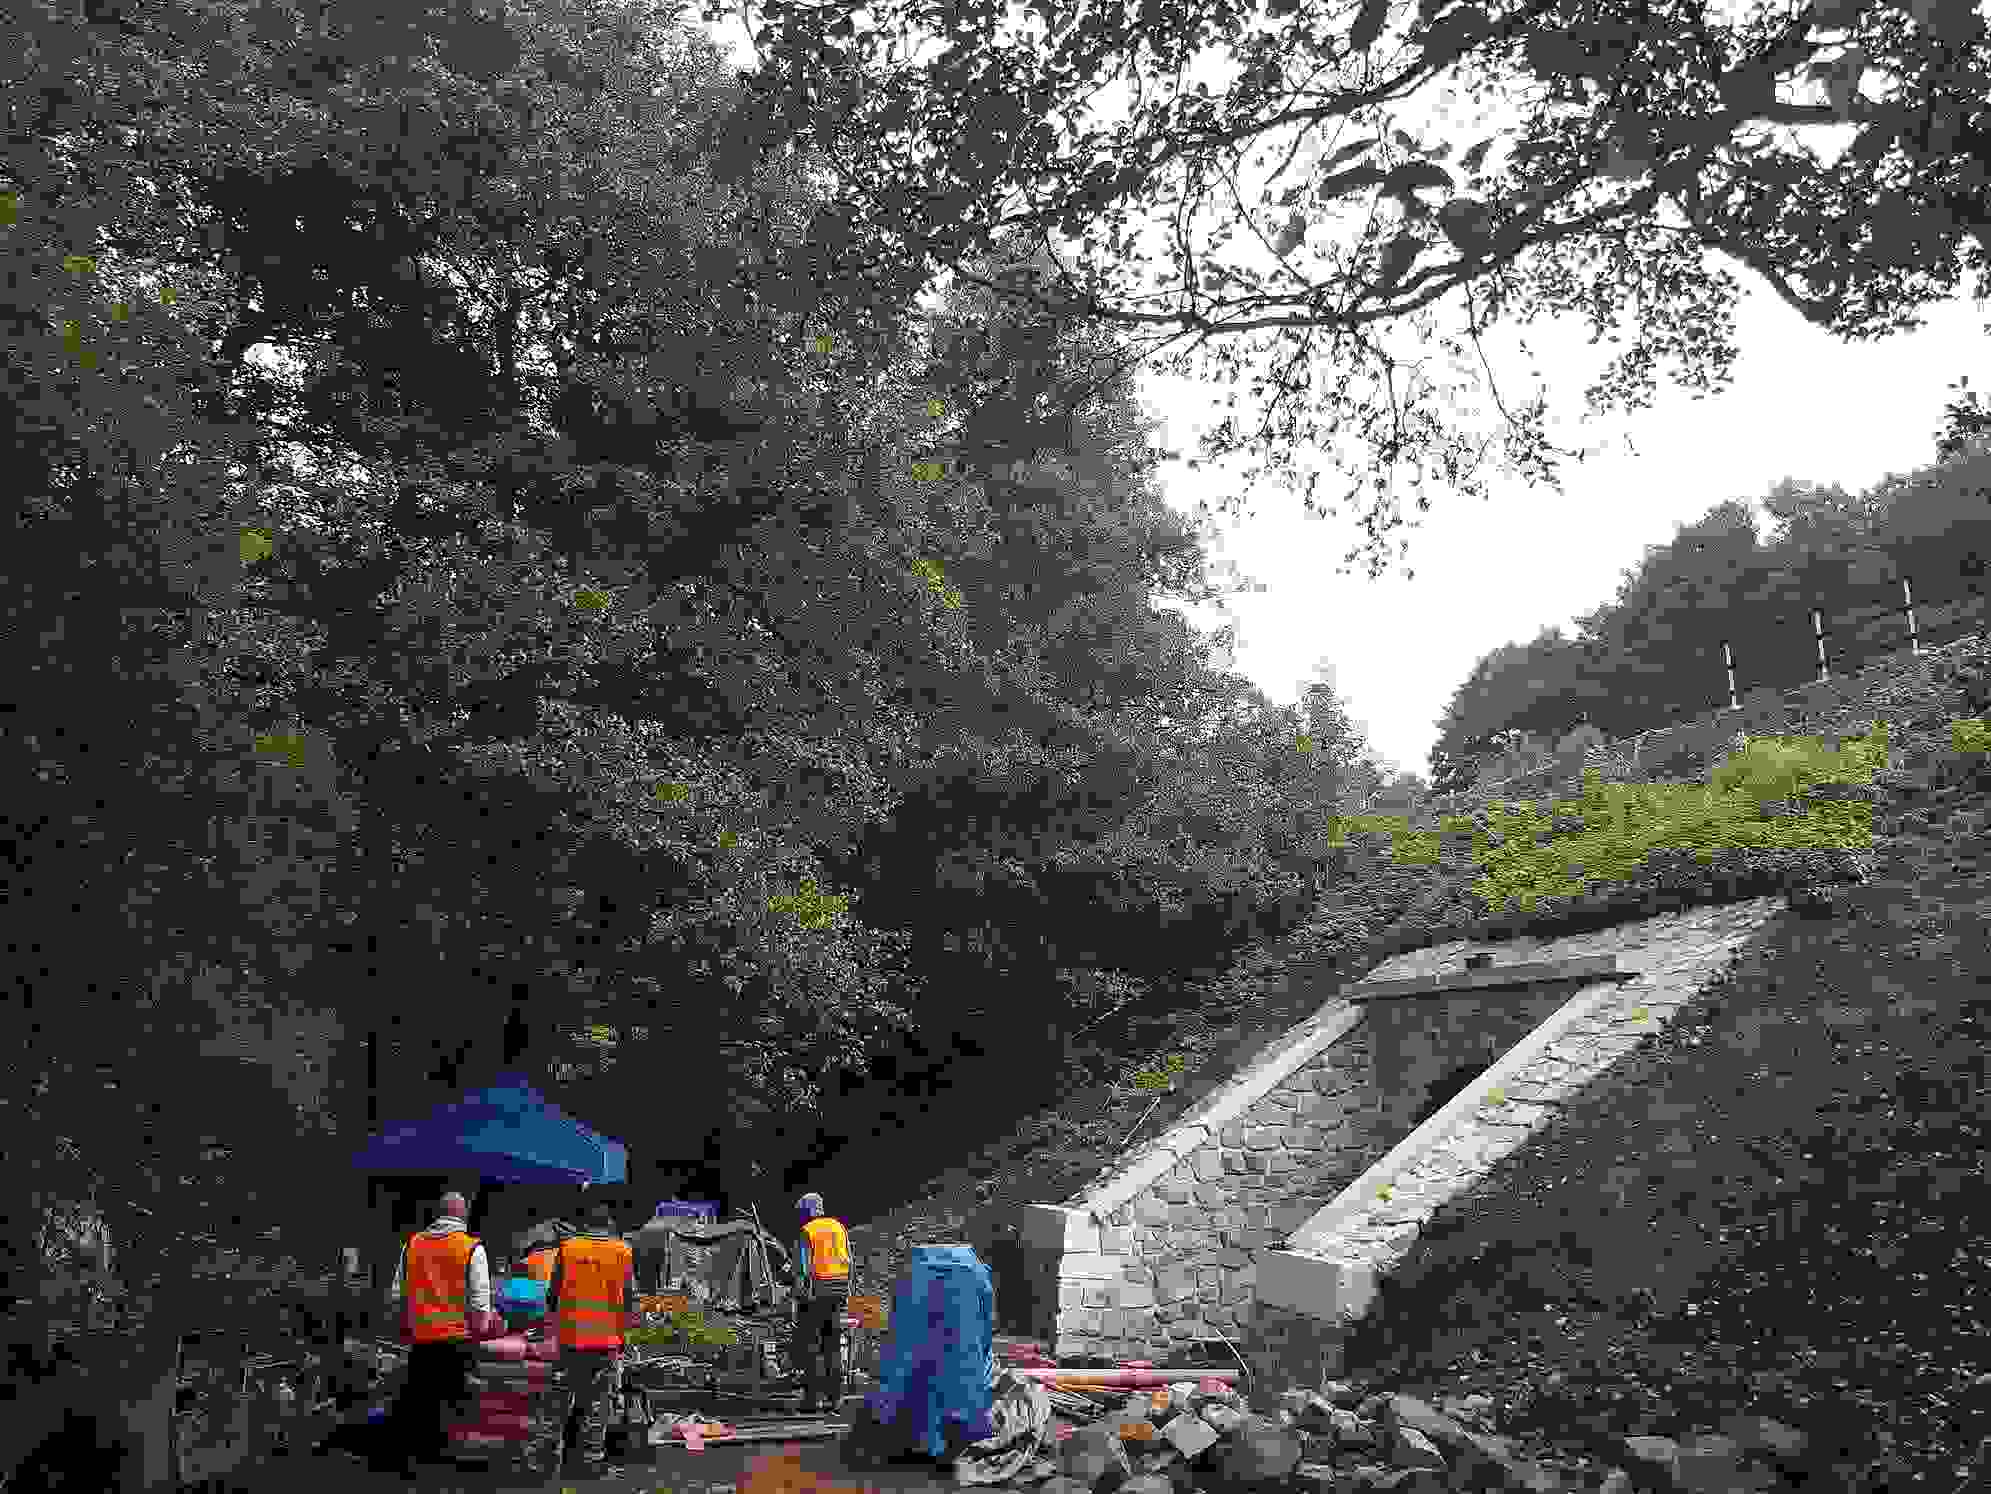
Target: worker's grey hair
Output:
{"points": [[456, 1205]]}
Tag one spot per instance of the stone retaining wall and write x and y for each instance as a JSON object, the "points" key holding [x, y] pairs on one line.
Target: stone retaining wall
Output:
{"points": [[1163, 1258], [1159, 1257]]}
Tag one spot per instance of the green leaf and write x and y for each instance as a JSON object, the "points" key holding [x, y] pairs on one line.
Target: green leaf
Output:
{"points": [[287, 745], [1349, 152], [1368, 25], [1414, 176], [1453, 35], [10, 208], [671, 793], [79, 264], [1397, 257], [589, 599], [1341, 184], [1465, 221], [256, 545]]}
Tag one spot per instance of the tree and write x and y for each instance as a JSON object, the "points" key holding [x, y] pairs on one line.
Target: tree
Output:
{"points": [[415, 632], [1966, 422], [1652, 145], [1349, 765], [549, 628]]}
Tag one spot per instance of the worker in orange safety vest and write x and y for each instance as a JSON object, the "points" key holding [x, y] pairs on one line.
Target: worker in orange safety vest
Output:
{"points": [[592, 1302], [538, 1262], [442, 1287], [822, 1296]]}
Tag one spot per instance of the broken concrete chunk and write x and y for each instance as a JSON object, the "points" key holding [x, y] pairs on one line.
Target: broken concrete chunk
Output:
{"points": [[1092, 1451], [1189, 1435], [1258, 1450], [1410, 1448], [1226, 1419]]}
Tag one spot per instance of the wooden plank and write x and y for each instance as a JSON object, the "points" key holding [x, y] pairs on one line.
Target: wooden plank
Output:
{"points": [[1493, 977]]}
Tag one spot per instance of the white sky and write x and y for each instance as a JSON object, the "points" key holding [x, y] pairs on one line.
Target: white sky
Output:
{"points": [[1801, 404]]}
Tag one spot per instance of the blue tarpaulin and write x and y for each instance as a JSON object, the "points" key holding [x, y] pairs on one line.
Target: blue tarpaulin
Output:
{"points": [[933, 1377], [687, 1208], [508, 1133]]}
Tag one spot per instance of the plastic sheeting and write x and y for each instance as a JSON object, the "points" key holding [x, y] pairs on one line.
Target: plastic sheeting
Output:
{"points": [[521, 1299], [717, 1265], [935, 1372], [1020, 1413]]}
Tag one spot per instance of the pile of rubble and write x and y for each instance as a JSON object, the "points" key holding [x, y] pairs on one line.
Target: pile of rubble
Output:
{"points": [[1202, 1437]]}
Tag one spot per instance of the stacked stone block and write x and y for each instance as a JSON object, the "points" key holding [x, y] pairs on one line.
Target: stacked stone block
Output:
{"points": [[1174, 1265]]}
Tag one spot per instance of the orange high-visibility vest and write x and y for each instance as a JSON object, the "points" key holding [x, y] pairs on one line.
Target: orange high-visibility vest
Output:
{"points": [[829, 1249], [539, 1265], [590, 1312], [436, 1288]]}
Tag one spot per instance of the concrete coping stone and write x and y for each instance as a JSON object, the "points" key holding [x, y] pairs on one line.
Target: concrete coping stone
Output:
{"points": [[1585, 968]]}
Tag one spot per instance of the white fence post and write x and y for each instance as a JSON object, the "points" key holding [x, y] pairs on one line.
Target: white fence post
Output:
{"points": [[1728, 660], [1908, 602], [1818, 630]]}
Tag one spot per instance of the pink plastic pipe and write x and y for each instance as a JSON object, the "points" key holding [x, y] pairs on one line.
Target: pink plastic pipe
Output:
{"points": [[1122, 1379]]}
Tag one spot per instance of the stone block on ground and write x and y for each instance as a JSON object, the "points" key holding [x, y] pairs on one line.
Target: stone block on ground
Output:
{"points": [[1257, 1451], [1709, 1463], [1768, 1438], [1189, 1435], [1309, 1410], [1393, 1481], [1350, 1431], [1472, 1409], [1225, 1419], [1092, 1451], [1410, 1448]]}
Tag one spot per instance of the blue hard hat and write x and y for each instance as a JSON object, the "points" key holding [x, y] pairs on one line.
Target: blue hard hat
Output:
{"points": [[810, 1205]]}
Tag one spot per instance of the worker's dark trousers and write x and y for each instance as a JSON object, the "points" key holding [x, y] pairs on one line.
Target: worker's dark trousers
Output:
{"points": [[436, 1393], [819, 1346]]}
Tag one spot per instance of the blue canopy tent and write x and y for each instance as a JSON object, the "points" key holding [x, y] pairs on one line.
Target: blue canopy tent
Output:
{"points": [[507, 1133], [506, 1136]]}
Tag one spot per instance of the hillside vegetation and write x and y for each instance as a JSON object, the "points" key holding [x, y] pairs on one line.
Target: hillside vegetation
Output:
{"points": [[1897, 817]]}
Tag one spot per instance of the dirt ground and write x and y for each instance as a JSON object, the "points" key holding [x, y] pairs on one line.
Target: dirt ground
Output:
{"points": [[763, 1467]]}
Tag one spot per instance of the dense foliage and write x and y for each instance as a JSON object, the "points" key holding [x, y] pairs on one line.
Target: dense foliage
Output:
{"points": [[1654, 653], [1342, 189], [499, 576]]}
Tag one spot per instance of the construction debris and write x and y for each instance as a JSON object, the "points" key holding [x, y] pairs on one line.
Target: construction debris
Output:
{"points": [[1203, 1437]]}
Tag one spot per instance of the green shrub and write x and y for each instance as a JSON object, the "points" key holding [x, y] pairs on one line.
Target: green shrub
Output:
{"points": [[1160, 1078], [687, 1327], [1970, 736], [1615, 828]]}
